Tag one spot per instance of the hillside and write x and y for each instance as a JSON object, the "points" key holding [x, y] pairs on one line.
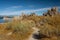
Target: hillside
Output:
{"points": [[45, 27]]}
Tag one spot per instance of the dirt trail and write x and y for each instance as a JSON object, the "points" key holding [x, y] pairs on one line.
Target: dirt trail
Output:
{"points": [[35, 31]]}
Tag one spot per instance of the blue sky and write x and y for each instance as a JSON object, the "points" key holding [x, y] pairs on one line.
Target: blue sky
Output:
{"points": [[16, 7]]}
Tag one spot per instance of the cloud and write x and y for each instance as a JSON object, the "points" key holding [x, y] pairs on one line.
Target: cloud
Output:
{"points": [[8, 12], [59, 7], [14, 7]]}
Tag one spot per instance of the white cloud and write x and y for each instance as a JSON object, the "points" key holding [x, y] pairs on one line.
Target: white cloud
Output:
{"points": [[18, 12], [17, 6], [59, 7], [8, 12], [14, 7]]}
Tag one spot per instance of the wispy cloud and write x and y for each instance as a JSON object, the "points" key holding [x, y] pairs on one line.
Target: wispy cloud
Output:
{"points": [[8, 12], [14, 7], [59, 7]]}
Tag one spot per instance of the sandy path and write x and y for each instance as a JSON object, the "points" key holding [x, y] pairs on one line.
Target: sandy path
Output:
{"points": [[35, 31]]}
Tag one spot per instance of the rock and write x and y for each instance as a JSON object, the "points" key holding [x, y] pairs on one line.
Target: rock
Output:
{"points": [[51, 12]]}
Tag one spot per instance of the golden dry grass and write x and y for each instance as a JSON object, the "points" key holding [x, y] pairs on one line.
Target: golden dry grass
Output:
{"points": [[21, 29]]}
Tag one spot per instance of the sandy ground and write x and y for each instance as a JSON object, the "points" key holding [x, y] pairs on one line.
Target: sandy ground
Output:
{"points": [[35, 31]]}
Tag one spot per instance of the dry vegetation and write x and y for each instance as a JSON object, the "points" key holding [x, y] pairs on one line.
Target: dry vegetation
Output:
{"points": [[22, 29]]}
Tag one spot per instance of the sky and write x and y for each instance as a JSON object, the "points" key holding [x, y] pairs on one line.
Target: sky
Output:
{"points": [[17, 7]]}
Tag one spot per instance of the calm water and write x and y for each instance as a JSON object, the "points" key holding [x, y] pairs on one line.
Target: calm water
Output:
{"points": [[1, 20]]}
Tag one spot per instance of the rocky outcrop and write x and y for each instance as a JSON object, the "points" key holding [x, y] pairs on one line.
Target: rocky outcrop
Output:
{"points": [[51, 12]]}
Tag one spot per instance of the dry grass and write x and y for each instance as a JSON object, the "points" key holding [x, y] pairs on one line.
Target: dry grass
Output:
{"points": [[22, 29]]}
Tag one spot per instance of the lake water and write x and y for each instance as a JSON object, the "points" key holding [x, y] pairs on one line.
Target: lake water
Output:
{"points": [[1, 21]]}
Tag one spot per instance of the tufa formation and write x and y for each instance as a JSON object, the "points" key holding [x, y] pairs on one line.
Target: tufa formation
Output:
{"points": [[51, 12]]}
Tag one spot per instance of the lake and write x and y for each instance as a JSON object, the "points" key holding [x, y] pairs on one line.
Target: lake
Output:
{"points": [[1, 21]]}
